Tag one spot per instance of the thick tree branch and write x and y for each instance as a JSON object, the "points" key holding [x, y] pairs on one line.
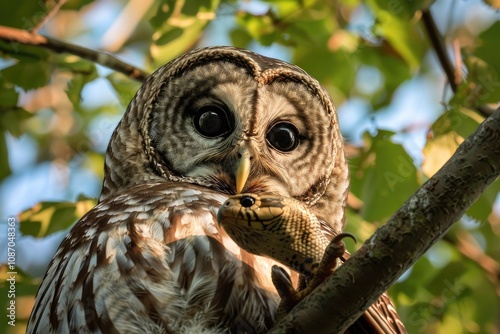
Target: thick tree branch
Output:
{"points": [[25, 37], [439, 46], [394, 247]]}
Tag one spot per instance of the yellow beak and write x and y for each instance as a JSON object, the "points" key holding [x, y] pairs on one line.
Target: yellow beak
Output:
{"points": [[242, 172]]}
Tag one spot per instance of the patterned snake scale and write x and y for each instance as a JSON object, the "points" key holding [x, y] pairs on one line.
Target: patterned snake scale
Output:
{"points": [[281, 228]]}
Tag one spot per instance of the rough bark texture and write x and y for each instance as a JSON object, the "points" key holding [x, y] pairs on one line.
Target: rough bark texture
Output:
{"points": [[422, 220]]}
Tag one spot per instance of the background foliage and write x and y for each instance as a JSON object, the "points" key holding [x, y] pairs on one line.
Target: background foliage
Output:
{"points": [[57, 111]]}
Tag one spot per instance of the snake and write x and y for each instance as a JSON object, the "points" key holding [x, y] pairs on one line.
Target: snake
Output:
{"points": [[278, 227], [285, 230]]}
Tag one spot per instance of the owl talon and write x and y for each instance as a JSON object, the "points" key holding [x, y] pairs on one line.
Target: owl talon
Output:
{"points": [[283, 283], [333, 253], [288, 294]]}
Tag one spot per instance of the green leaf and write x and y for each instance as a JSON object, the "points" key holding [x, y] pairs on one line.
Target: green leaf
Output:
{"points": [[481, 86], [83, 72], [395, 22], [11, 116], [488, 50], [125, 87], [384, 177], [447, 132], [483, 67], [12, 120], [46, 218], [482, 208], [27, 75], [240, 37], [8, 98], [178, 26], [336, 69], [76, 4], [4, 155], [164, 11], [23, 14]]}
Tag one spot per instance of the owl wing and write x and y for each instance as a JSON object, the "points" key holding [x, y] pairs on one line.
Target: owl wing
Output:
{"points": [[152, 259]]}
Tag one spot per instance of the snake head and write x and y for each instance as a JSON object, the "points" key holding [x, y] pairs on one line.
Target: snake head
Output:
{"points": [[251, 220], [251, 210], [278, 227]]}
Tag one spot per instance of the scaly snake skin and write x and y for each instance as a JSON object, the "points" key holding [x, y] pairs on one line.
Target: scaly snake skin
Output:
{"points": [[285, 230], [278, 227]]}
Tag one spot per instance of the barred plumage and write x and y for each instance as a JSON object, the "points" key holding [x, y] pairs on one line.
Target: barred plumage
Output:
{"points": [[150, 256]]}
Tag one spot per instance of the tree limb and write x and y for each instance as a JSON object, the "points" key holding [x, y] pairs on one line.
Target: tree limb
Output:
{"points": [[105, 59], [415, 227]]}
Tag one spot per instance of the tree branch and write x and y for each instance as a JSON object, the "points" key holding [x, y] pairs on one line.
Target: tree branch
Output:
{"points": [[28, 38], [439, 46], [422, 220], [49, 15], [440, 49]]}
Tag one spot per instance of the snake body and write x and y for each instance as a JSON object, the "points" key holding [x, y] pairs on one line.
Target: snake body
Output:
{"points": [[278, 227], [284, 229]]}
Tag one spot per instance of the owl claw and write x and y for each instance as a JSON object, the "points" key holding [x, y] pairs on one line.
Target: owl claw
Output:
{"points": [[288, 294], [283, 283]]}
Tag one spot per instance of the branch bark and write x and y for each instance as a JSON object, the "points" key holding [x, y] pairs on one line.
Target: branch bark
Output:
{"points": [[415, 227], [105, 59]]}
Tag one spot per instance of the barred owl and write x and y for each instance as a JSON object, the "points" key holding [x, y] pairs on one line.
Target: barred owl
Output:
{"points": [[150, 257]]}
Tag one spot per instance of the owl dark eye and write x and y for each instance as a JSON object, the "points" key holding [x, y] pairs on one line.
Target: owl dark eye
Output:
{"points": [[283, 136], [212, 121]]}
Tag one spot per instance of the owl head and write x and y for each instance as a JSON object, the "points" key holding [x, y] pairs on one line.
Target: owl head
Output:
{"points": [[233, 121]]}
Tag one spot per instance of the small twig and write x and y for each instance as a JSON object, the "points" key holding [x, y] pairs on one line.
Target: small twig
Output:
{"points": [[454, 77], [47, 17], [458, 60], [105, 59], [440, 48]]}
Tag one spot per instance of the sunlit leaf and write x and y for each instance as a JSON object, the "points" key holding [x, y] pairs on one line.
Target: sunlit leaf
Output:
{"points": [[447, 132], [48, 217], [394, 21], [125, 87], [178, 25], [82, 71]]}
